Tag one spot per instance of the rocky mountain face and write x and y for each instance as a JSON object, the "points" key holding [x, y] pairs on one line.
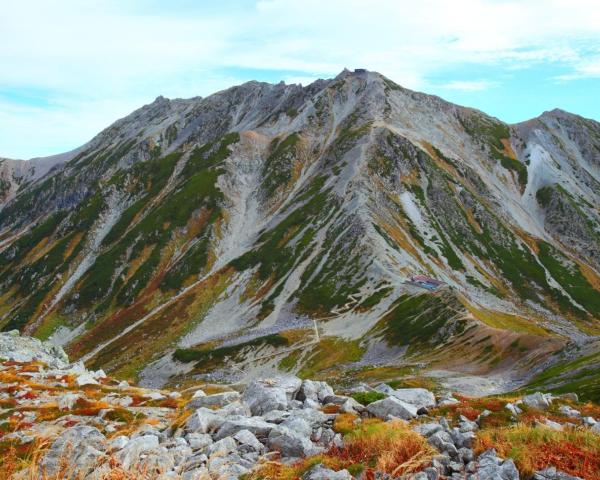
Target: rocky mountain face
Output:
{"points": [[61, 421], [279, 227]]}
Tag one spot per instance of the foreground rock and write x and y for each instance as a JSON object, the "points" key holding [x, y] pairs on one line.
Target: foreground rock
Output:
{"points": [[97, 428]]}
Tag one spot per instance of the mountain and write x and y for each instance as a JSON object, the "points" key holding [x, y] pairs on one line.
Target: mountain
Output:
{"points": [[279, 226]]}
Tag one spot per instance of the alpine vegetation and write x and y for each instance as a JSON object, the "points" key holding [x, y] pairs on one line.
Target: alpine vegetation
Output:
{"points": [[324, 281]]}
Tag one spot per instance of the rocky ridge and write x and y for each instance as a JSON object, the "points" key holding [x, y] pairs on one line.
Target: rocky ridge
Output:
{"points": [[72, 423], [280, 227]]}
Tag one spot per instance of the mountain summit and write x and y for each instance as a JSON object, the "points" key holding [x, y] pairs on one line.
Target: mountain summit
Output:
{"points": [[351, 229]]}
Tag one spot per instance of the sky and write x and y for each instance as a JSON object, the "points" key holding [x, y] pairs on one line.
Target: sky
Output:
{"points": [[69, 68]]}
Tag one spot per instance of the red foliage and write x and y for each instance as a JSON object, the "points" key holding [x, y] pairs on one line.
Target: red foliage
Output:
{"points": [[468, 412], [570, 459]]}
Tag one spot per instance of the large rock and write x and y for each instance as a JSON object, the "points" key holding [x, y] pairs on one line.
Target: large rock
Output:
{"points": [[315, 391], [223, 447], [135, 447], [198, 441], [551, 473], [419, 397], [216, 400], [319, 472], [86, 379], [204, 420], [392, 407], [19, 348], [427, 429], [493, 468], [256, 425], [291, 443], [442, 440], [264, 395], [68, 401], [538, 400], [74, 454], [247, 442]]}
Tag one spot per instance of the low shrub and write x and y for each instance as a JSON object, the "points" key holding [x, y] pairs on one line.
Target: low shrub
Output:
{"points": [[574, 451], [367, 397]]}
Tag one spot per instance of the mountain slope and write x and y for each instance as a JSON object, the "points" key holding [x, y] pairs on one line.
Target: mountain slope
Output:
{"points": [[196, 233]]}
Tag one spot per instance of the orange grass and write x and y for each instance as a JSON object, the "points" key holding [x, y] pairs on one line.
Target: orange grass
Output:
{"points": [[574, 451], [390, 447]]}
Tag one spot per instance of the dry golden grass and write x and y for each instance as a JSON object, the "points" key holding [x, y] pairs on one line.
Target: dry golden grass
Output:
{"points": [[390, 447], [345, 423]]}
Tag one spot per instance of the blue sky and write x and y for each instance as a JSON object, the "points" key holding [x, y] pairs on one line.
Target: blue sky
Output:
{"points": [[70, 68]]}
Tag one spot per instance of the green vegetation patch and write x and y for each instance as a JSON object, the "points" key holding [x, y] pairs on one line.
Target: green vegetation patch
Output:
{"points": [[417, 319], [215, 356], [365, 398], [567, 273], [581, 376]]}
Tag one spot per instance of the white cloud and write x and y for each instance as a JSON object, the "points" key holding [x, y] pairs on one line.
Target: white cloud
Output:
{"points": [[109, 54]]}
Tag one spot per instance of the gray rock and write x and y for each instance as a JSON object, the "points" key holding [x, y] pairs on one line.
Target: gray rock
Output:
{"points": [[352, 406], [427, 429], [78, 447], [419, 397], [392, 407], [198, 441], [466, 455], [432, 473], [118, 442], [204, 420], [68, 400], [467, 425], [589, 421], [291, 444], [19, 348], [222, 447], [384, 388], [298, 425], [235, 408], [319, 472], [256, 425], [198, 393], [247, 442], [229, 467], [553, 425], [462, 439], [315, 418], [86, 379], [315, 391], [569, 411], [130, 454], [194, 462], [336, 399], [447, 399], [442, 440], [551, 473], [216, 400], [493, 468], [195, 474], [441, 463], [156, 396], [538, 400], [276, 416], [268, 394], [514, 409], [573, 397]]}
